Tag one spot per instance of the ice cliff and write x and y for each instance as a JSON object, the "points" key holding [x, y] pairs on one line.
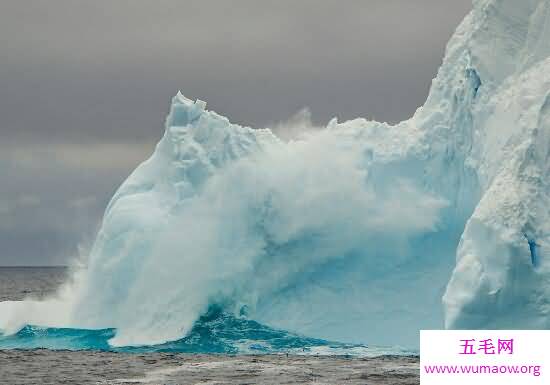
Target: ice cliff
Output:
{"points": [[362, 231]]}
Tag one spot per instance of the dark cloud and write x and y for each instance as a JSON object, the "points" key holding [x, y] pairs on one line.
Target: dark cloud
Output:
{"points": [[84, 87]]}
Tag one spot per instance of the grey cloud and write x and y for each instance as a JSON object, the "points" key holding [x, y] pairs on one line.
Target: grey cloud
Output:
{"points": [[85, 86]]}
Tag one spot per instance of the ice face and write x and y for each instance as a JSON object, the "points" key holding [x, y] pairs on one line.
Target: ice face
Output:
{"points": [[351, 233]]}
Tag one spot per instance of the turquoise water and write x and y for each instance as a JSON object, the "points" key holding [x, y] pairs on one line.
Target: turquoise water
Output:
{"points": [[215, 332]]}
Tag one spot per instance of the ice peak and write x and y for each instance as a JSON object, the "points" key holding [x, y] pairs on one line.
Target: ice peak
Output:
{"points": [[184, 111]]}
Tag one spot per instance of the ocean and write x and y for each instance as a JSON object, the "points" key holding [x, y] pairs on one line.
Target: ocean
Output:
{"points": [[18, 283], [222, 347]]}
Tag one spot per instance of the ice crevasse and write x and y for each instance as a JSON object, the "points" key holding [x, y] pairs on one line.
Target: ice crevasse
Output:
{"points": [[362, 231]]}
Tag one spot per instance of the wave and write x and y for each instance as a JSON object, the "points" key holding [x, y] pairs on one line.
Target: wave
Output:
{"points": [[215, 332]]}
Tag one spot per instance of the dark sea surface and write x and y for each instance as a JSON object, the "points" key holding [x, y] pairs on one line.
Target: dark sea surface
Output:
{"points": [[17, 283], [97, 366]]}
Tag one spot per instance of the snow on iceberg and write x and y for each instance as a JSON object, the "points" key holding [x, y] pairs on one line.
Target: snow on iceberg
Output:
{"points": [[353, 233]]}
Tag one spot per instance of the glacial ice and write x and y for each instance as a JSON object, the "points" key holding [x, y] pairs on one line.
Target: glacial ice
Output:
{"points": [[360, 232]]}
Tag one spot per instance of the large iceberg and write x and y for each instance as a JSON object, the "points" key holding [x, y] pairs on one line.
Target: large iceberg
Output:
{"points": [[361, 231]]}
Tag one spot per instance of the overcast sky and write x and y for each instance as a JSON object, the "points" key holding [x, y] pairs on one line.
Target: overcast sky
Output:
{"points": [[85, 87]]}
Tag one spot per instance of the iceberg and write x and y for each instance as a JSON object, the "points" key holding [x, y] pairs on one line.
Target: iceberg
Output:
{"points": [[360, 232]]}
